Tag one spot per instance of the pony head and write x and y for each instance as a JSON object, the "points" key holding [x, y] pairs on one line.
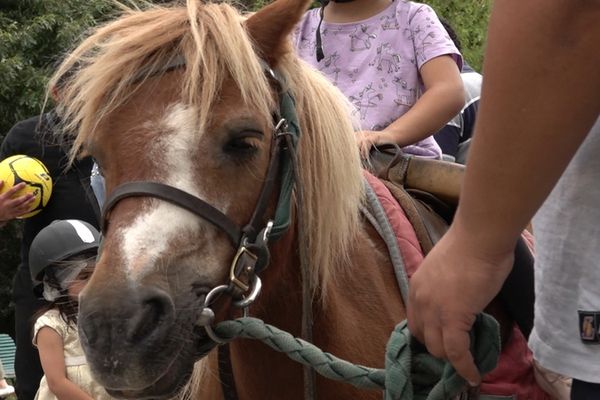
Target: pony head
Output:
{"points": [[180, 96]]}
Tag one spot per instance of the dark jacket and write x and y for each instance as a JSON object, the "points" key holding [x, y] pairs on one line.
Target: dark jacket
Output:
{"points": [[36, 137]]}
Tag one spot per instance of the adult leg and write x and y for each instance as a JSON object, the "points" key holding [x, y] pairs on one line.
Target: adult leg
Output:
{"points": [[28, 368], [585, 390]]}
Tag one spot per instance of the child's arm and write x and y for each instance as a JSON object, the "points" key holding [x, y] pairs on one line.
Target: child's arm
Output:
{"points": [[443, 99], [50, 346]]}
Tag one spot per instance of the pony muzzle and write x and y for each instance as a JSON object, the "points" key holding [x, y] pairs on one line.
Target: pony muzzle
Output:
{"points": [[120, 336]]}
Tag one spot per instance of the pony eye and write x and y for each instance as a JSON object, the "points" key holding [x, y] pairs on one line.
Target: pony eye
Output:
{"points": [[245, 144]]}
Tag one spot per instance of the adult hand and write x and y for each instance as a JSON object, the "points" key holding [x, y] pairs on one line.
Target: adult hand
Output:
{"points": [[457, 279], [12, 207], [367, 139]]}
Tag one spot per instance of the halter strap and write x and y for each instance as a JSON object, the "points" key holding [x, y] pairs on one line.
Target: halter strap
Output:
{"points": [[174, 196], [283, 217]]}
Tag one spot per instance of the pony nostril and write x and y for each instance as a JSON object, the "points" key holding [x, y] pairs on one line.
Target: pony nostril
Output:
{"points": [[152, 317], [88, 334], [144, 322]]}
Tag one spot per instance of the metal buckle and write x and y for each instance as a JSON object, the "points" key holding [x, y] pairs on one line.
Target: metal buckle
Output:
{"points": [[281, 128], [242, 251], [207, 315]]}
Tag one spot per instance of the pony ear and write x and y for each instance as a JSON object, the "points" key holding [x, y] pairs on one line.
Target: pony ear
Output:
{"points": [[270, 26]]}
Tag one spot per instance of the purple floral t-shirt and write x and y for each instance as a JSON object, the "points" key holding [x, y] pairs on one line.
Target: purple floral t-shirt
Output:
{"points": [[376, 62]]}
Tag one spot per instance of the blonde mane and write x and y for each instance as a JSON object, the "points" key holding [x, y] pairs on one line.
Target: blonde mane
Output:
{"points": [[103, 71]]}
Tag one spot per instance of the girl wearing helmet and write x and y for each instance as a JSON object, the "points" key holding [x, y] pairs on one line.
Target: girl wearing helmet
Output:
{"points": [[62, 258], [396, 64]]}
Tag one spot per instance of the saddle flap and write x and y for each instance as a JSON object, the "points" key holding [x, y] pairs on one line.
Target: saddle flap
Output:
{"points": [[427, 190]]}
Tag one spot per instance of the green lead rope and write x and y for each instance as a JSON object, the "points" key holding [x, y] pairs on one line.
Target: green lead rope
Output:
{"points": [[414, 374], [410, 372]]}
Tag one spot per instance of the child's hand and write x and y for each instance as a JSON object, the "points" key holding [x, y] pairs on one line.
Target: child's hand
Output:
{"points": [[368, 139], [11, 208]]}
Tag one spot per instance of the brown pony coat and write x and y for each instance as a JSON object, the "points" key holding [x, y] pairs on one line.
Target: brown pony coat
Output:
{"points": [[357, 302]]}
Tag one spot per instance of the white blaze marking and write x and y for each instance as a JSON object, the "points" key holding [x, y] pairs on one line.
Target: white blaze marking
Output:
{"points": [[147, 239]]}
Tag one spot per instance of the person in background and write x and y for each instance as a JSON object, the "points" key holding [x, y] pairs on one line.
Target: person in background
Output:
{"points": [[62, 257], [71, 198], [11, 208], [534, 152], [454, 137], [395, 63]]}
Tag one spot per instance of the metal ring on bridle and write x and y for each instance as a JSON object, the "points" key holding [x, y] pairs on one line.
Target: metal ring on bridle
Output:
{"points": [[281, 124], [267, 231], [207, 315], [245, 302]]}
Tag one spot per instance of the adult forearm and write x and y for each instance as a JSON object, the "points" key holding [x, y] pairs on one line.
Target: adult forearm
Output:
{"points": [[538, 131]]}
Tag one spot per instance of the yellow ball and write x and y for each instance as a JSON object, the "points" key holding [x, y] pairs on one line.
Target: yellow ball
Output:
{"points": [[33, 172]]}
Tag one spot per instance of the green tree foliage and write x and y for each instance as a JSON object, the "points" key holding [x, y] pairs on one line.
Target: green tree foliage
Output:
{"points": [[34, 34], [469, 19]]}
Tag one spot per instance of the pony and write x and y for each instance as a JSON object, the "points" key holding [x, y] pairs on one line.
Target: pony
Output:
{"points": [[185, 96]]}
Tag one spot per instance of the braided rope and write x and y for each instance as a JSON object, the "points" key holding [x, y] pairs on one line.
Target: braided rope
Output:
{"points": [[303, 352], [410, 373]]}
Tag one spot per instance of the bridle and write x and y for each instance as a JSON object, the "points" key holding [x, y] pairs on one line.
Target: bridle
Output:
{"points": [[251, 240]]}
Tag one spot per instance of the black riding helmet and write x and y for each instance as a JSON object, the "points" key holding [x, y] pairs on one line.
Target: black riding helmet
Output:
{"points": [[320, 54], [60, 240]]}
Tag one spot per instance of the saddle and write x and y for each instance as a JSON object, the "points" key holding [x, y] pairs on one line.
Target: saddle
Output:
{"points": [[428, 191]]}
